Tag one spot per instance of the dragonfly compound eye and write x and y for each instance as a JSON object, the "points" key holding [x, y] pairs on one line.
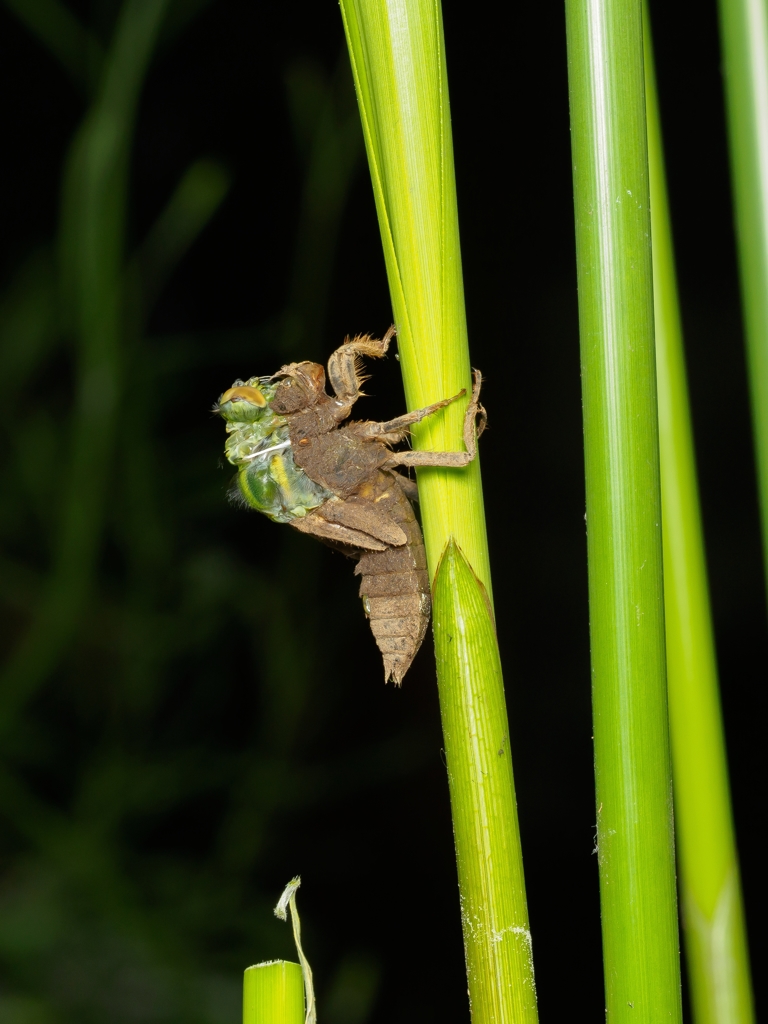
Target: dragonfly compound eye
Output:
{"points": [[241, 403]]}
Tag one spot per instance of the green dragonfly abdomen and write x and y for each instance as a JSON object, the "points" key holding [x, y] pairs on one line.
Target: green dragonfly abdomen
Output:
{"points": [[258, 444]]}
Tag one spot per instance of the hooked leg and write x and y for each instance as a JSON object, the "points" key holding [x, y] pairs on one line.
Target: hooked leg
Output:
{"points": [[396, 430], [344, 367], [450, 459]]}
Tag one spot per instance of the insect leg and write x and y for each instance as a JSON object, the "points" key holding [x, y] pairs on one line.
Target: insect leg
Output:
{"points": [[395, 430], [364, 516], [409, 487], [337, 533], [344, 366], [451, 459]]}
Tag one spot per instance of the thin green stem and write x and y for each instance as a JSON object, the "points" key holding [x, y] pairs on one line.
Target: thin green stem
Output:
{"points": [[632, 763], [713, 915], [398, 62], [744, 35], [286, 904]]}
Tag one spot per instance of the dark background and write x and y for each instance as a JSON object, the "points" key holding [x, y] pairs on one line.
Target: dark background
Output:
{"points": [[214, 720]]}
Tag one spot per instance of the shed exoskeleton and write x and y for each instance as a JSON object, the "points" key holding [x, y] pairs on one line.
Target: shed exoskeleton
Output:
{"points": [[298, 462]]}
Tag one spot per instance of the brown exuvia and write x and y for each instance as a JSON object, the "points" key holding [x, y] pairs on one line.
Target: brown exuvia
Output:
{"points": [[299, 463]]}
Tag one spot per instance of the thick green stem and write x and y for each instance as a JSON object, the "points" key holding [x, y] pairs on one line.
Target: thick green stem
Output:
{"points": [[744, 34], [632, 763], [709, 874], [398, 61], [497, 938], [273, 993]]}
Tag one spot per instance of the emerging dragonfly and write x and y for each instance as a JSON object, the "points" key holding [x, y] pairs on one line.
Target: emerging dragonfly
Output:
{"points": [[299, 463]]}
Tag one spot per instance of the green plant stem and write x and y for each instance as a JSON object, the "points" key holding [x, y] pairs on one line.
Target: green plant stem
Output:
{"points": [[632, 763], [713, 914], [398, 62], [499, 956], [744, 38], [273, 993]]}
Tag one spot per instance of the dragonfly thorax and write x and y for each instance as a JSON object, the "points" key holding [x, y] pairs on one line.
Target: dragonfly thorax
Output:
{"points": [[259, 444]]}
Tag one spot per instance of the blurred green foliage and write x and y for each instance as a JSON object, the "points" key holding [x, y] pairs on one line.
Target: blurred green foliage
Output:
{"points": [[141, 767]]}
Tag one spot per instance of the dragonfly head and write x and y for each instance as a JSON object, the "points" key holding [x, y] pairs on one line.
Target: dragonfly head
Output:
{"points": [[243, 402]]}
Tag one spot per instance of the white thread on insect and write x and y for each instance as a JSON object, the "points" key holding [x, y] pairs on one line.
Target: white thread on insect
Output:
{"points": [[265, 451]]}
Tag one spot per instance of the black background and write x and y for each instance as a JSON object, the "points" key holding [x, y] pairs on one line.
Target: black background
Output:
{"points": [[369, 826]]}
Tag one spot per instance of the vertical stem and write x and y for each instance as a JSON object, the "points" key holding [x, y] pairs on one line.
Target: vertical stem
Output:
{"points": [[398, 61], [744, 35], [632, 763], [273, 993], [710, 891], [497, 939]]}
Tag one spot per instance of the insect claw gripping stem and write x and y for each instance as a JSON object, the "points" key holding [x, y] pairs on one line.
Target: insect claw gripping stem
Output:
{"points": [[472, 430], [396, 430]]}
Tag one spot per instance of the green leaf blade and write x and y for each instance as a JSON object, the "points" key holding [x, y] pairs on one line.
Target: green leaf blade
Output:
{"points": [[497, 937]]}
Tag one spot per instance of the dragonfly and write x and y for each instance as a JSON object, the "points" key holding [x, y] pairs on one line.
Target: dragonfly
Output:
{"points": [[300, 461]]}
